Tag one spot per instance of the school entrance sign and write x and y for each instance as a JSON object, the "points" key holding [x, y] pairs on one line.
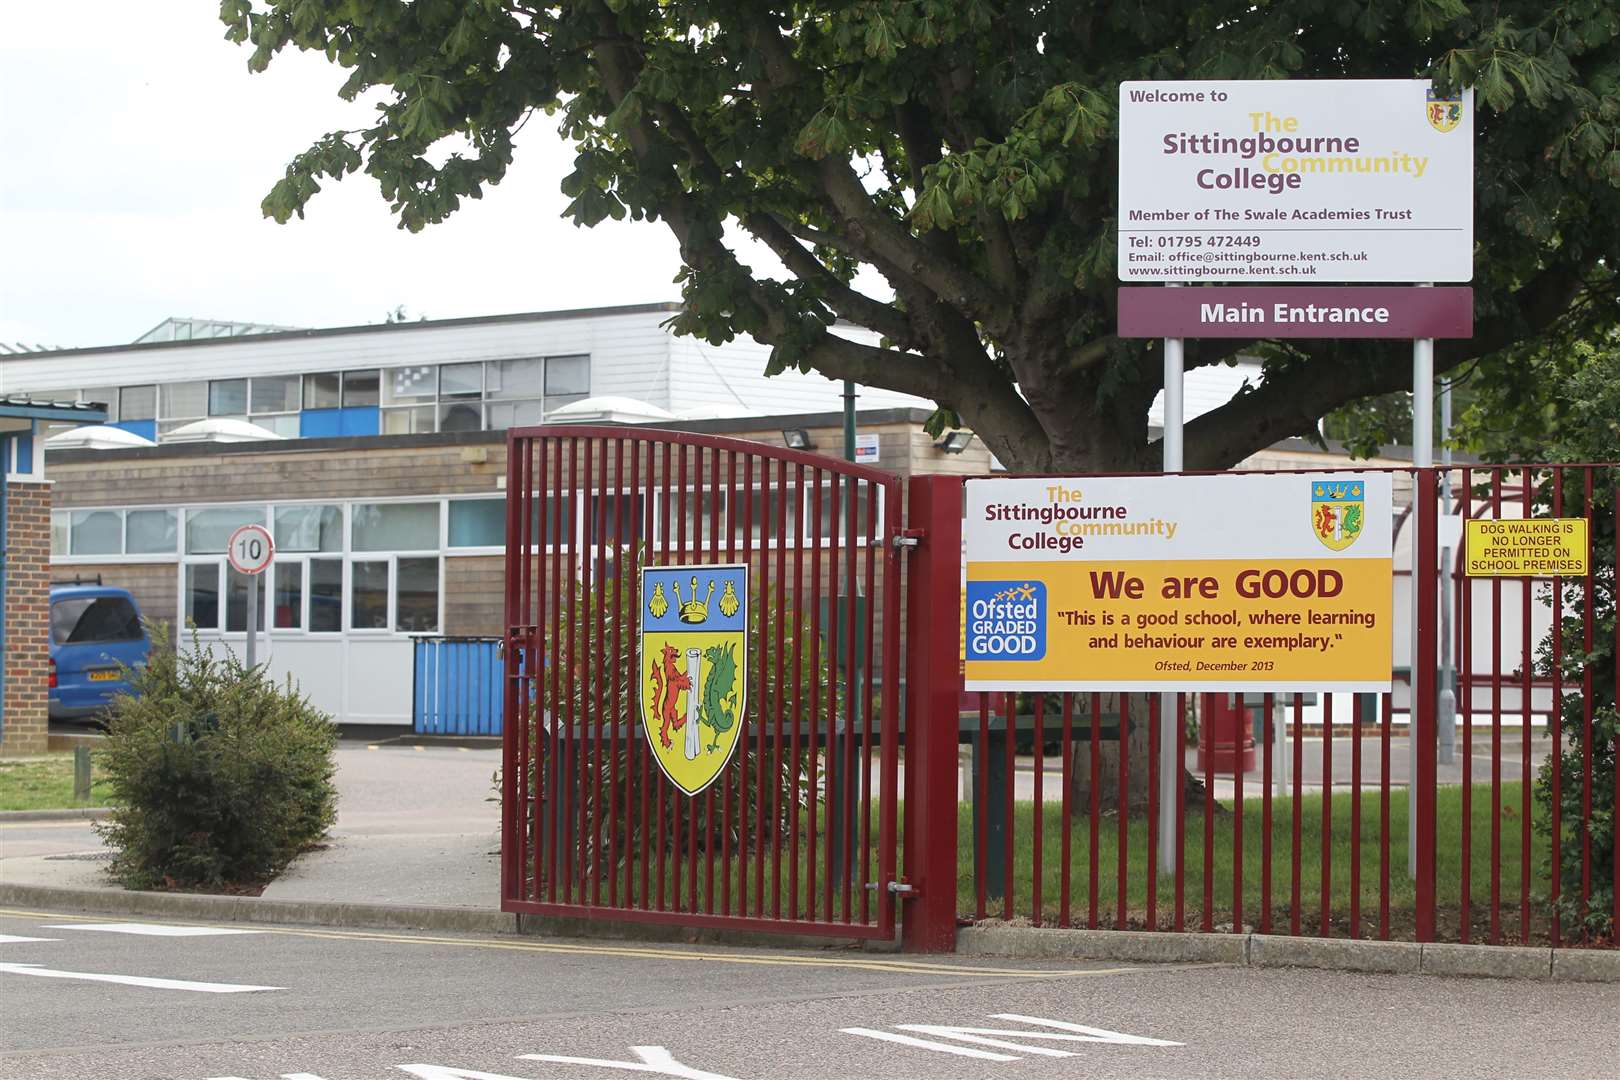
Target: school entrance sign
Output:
{"points": [[1268, 583], [1295, 181]]}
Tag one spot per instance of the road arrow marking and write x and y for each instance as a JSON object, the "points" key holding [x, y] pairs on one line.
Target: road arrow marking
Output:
{"points": [[134, 980]]}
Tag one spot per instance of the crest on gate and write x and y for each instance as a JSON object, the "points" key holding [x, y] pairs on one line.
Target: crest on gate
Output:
{"points": [[1338, 511], [692, 638], [1444, 113]]}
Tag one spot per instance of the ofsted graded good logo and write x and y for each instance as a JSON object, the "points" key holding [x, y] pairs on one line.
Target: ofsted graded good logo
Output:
{"points": [[1006, 620]]}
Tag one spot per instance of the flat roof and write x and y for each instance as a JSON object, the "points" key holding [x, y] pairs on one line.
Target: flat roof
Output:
{"points": [[726, 426], [670, 307]]}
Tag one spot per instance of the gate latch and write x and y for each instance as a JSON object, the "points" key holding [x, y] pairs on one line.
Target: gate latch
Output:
{"points": [[908, 538], [902, 888]]}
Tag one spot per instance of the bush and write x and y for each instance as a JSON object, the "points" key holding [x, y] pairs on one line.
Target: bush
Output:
{"points": [[218, 776]]}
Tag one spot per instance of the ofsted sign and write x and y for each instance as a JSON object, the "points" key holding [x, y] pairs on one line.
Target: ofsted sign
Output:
{"points": [[1295, 181], [1144, 583]]}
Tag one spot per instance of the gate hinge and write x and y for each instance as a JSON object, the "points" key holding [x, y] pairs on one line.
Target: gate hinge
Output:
{"points": [[908, 538]]}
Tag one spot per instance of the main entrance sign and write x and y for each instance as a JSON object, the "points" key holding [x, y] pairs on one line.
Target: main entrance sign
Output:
{"points": [[1295, 181], [1280, 583], [694, 668]]}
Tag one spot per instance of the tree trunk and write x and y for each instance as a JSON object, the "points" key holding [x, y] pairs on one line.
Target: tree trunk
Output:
{"points": [[1136, 765]]}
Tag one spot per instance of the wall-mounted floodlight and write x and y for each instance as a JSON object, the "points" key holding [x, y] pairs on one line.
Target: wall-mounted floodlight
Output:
{"points": [[797, 439], [955, 442]]}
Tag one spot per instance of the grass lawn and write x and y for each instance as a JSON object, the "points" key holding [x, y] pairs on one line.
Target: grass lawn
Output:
{"points": [[43, 783], [1448, 885]]}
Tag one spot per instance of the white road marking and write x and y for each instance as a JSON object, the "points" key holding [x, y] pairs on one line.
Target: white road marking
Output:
{"points": [[134, 980], [654, 1059], [1004, 1039], [9, 939], [927, 1044], [152, 929], [1092, 1034]]}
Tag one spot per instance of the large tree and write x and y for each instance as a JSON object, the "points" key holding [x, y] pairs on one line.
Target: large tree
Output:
{"points": [[964, 151]]}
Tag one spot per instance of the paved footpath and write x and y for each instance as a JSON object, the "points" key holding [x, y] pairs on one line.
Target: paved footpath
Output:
{"points": [[415, 825], [84, 997]]}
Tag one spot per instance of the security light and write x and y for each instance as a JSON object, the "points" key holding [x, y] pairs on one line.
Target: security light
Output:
{"points": [[955, 442], [797, 439]]}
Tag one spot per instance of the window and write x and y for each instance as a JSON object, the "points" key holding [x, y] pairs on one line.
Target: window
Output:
{"points": [[85, 620], [183, 401], [359, 388], [510, 414], [137, 403], [461, 416], [308, 528], [236, 594], [288, 602], [568, 375], [410, 385], [325, 596], [285, 425], [395, 527], [322, 391], [104, 395], [514, 379], [95, 532], [207, 531], [477, 523], [416, 420], [274, 394], [369, 582], [151, 532], [823, 500], [202, 594], [416, 603], [228, 397], [461, 381], [767, 505]]}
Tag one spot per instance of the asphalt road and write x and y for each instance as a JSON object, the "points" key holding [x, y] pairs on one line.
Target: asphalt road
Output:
{"points": [[279, 1002]]}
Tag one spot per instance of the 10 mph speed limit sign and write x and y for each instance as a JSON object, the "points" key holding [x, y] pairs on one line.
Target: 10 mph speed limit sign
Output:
{"points": [[250, 549]]}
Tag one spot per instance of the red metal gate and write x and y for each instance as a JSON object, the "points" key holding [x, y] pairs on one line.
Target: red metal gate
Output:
{"points": [[799, 831]]}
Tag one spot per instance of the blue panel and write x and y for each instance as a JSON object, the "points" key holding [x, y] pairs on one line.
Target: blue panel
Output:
{"points": [[360, 420], [5, 455], [25, 454], [146, 429], [456, 687], [319, 423]]}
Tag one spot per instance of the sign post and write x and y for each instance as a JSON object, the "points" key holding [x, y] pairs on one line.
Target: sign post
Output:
{"points": [[1294, 183], [249, 552]]}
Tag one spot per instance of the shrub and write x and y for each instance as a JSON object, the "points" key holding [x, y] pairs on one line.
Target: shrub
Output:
{"points": [[218, 776]]}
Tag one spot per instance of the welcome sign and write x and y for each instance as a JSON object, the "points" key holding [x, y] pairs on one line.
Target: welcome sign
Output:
{"points": [[1232, 583], [1295, 181]]}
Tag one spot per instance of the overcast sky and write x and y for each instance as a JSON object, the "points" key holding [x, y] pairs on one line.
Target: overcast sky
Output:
{"points": [[138, 147]]}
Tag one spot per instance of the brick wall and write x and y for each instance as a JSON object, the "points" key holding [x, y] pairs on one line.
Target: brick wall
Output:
{"points": [[27, 604]]}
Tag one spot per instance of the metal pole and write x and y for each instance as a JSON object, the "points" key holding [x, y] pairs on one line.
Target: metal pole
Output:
{"points": [[1448, 671], [1422, 458], [252, 618], [1170, 768]]}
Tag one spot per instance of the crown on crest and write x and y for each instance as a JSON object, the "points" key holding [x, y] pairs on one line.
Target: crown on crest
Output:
{"points": [[693, 610]]}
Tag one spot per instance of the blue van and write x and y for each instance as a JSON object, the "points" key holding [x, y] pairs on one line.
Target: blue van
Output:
{"points": [[94, 629]]}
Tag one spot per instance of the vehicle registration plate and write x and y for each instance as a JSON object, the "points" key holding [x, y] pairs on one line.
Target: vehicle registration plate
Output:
{"points": [[104, 676]]}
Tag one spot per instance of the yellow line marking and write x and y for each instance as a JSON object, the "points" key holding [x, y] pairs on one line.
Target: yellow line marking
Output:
{"points": [[893, 967]]}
